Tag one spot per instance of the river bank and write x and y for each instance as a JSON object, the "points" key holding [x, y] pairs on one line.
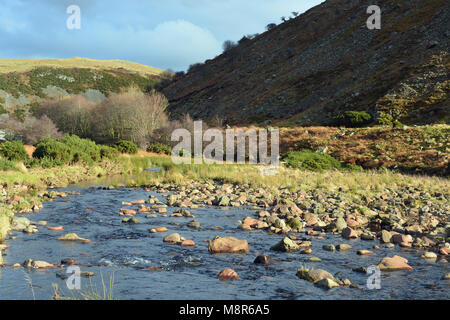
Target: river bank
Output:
{"points": [[305, 216]]}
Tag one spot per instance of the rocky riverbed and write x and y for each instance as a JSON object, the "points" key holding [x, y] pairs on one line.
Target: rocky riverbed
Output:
{"points": [[219, 241]]}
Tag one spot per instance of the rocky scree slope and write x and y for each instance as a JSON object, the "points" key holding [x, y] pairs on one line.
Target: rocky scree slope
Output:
{"points": [[310, 69]]}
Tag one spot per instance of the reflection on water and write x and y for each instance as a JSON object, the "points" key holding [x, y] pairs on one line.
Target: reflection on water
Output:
{"points": [[127, 251]]}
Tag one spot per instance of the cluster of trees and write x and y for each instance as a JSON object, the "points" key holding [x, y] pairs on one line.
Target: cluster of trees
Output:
{"points": [[30, 129], [131, 115]]}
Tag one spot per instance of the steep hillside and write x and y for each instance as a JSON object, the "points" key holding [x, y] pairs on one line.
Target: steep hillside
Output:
{"points": [[25, 82], [310, 69]]}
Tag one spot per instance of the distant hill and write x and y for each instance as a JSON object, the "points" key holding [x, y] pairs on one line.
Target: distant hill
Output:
{"points": [[310, 69], [25, 82]]}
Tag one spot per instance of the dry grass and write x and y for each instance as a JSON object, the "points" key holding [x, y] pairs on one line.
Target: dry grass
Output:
{"points": [[24, 65]]}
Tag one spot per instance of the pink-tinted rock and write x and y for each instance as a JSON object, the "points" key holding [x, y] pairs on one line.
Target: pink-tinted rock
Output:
{"points": [[394, 264], [364, 252], [228, 274], [188, 243], [399, 238], [251, 222]]}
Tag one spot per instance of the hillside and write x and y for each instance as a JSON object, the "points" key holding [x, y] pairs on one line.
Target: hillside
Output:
{"points": [[310, 69], [25, 82]]}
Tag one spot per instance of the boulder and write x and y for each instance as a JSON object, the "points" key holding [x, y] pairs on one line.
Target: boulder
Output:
{"points": [[386, 236], [314, 275], [327, 283], [262, 260], [228, 245], [159, 230], [72, 237], [228, 274], [343, 247], [394, 264], [285, 245], [173, 238], [349, 233]]}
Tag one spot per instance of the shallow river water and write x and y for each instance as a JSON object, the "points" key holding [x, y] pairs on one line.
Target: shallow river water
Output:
{"points": [[126, 251]]}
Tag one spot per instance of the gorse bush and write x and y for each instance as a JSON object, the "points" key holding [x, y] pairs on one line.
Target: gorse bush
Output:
{"points": [[354, 119], [125, 146], [13, 150], [108, 152], [71, 149], [309, 160], [53, 151], [160, 148], [82, 146]]}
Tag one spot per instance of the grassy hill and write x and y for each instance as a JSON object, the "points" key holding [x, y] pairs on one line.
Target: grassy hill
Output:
{"points": [[25, 82], [25, 65]]}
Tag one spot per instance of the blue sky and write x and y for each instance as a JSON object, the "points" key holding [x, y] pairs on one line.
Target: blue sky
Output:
{"points": [[168, 34]]}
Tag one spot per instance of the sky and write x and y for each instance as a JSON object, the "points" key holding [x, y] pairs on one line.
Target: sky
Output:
{"points": [[167, 34]]}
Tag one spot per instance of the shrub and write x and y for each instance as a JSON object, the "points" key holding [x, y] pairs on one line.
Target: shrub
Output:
{"points": [[160, 148], [125, 146], [53, 151], [309, 160], [271, 26], [228, 45], [13, 150], [354, 119], [108, 152], [79, 146]]}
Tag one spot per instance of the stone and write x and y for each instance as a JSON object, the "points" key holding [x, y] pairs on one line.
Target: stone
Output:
{"points": [[394, 264], [228, 245], [314, 259], [340, 224], [159, 230], [251, 221], [367, 237], [399, 238], [72, 237], [31, 229], [194, 225], [128, 212], [228, 274], [429, 256], [68, 261], [349, 233], [386, 236], [314, 275], [329, 247], [37, 264], [20, 223], [306, 251], [262, 260], [173, 238], [188, 243], [60, 228], [327, 283], [446, 277], [296, 225], [364, 252], [343, 247], [285, 245]]}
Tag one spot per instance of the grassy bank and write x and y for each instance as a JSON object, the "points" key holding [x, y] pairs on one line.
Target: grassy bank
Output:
{"points": [[358, 183]]}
